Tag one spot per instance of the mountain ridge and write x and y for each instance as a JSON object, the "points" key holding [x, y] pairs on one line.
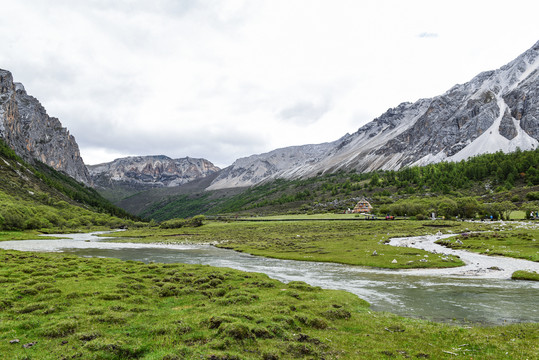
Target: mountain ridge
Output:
{"points": [[504, 102], [151, 171]]}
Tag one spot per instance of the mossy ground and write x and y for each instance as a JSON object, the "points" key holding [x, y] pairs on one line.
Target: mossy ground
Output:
{"points": [[56, 306], [525, 275]]}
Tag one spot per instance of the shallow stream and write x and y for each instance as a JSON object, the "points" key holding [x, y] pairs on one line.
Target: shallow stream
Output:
{"points": [[473, 293]]}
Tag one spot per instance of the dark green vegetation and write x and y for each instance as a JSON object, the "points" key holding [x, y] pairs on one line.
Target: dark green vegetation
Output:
{"points": [[37, 196], [54, 306], [347, 242], [520, 243], [195, 221], [490, 184], [525, 275]]}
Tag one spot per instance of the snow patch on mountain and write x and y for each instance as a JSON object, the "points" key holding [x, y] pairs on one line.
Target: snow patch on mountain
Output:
{"points": [[492, 141]]}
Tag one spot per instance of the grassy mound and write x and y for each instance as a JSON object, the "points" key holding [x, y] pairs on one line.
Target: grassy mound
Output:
{"points": [[525, 275]]}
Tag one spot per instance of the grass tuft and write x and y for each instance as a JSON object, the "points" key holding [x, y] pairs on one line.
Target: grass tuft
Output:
{"points": [[525, 275]]}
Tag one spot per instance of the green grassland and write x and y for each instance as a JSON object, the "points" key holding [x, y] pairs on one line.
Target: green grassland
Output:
{"points": [[519, 243], [347, 242], [56, 306]]}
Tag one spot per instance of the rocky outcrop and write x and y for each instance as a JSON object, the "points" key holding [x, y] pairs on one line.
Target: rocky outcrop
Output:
{"points": [[34, 135], [496, 111], [281, 163], [145, 172]]}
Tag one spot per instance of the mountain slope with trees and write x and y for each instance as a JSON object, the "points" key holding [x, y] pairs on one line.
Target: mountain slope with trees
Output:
{"points": [[490, 183], [37, 196]]}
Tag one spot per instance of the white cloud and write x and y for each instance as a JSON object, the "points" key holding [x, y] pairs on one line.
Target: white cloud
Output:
{"points": [[225, 79], [428, 35]]}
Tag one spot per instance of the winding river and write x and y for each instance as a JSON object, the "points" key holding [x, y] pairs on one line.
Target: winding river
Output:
{"points": [[480, 292]]}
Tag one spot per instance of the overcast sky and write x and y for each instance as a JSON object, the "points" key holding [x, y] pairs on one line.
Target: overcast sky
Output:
{"points": [[231, 78]]}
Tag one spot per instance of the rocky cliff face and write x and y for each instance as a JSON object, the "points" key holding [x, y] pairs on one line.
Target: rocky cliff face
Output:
{"points": [[496, 111], [32, 134], [144, 172]]}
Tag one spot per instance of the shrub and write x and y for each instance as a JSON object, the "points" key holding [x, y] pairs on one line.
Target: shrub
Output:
{"points": [[13, 220], [195, 221], [172, 224]]}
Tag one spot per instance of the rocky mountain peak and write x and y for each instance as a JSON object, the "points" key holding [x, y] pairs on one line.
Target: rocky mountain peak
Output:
{"points": [[34, 135], [143, 172]]}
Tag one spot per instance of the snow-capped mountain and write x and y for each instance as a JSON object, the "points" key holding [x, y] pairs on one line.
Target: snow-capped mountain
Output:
{"points": [[496, 110], [144, 172]]}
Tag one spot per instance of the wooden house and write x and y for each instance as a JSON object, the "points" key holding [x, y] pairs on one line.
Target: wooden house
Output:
{"points": [[362, 206]]}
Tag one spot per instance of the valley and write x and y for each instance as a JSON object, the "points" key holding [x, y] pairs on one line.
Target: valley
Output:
{"points": [[446, 257]]}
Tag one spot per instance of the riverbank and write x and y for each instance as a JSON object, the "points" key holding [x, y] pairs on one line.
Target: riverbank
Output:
{"points": [[59, 305], [360, 243], [476, 265], [488, 301]]}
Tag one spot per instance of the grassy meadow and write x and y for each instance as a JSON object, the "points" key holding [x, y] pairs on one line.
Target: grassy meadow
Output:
{"points": [[346, 242], [57, 306]]}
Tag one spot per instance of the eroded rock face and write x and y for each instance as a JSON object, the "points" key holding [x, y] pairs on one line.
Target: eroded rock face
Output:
{"points": [[34, 135], [144, 172], [507, 126]]}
